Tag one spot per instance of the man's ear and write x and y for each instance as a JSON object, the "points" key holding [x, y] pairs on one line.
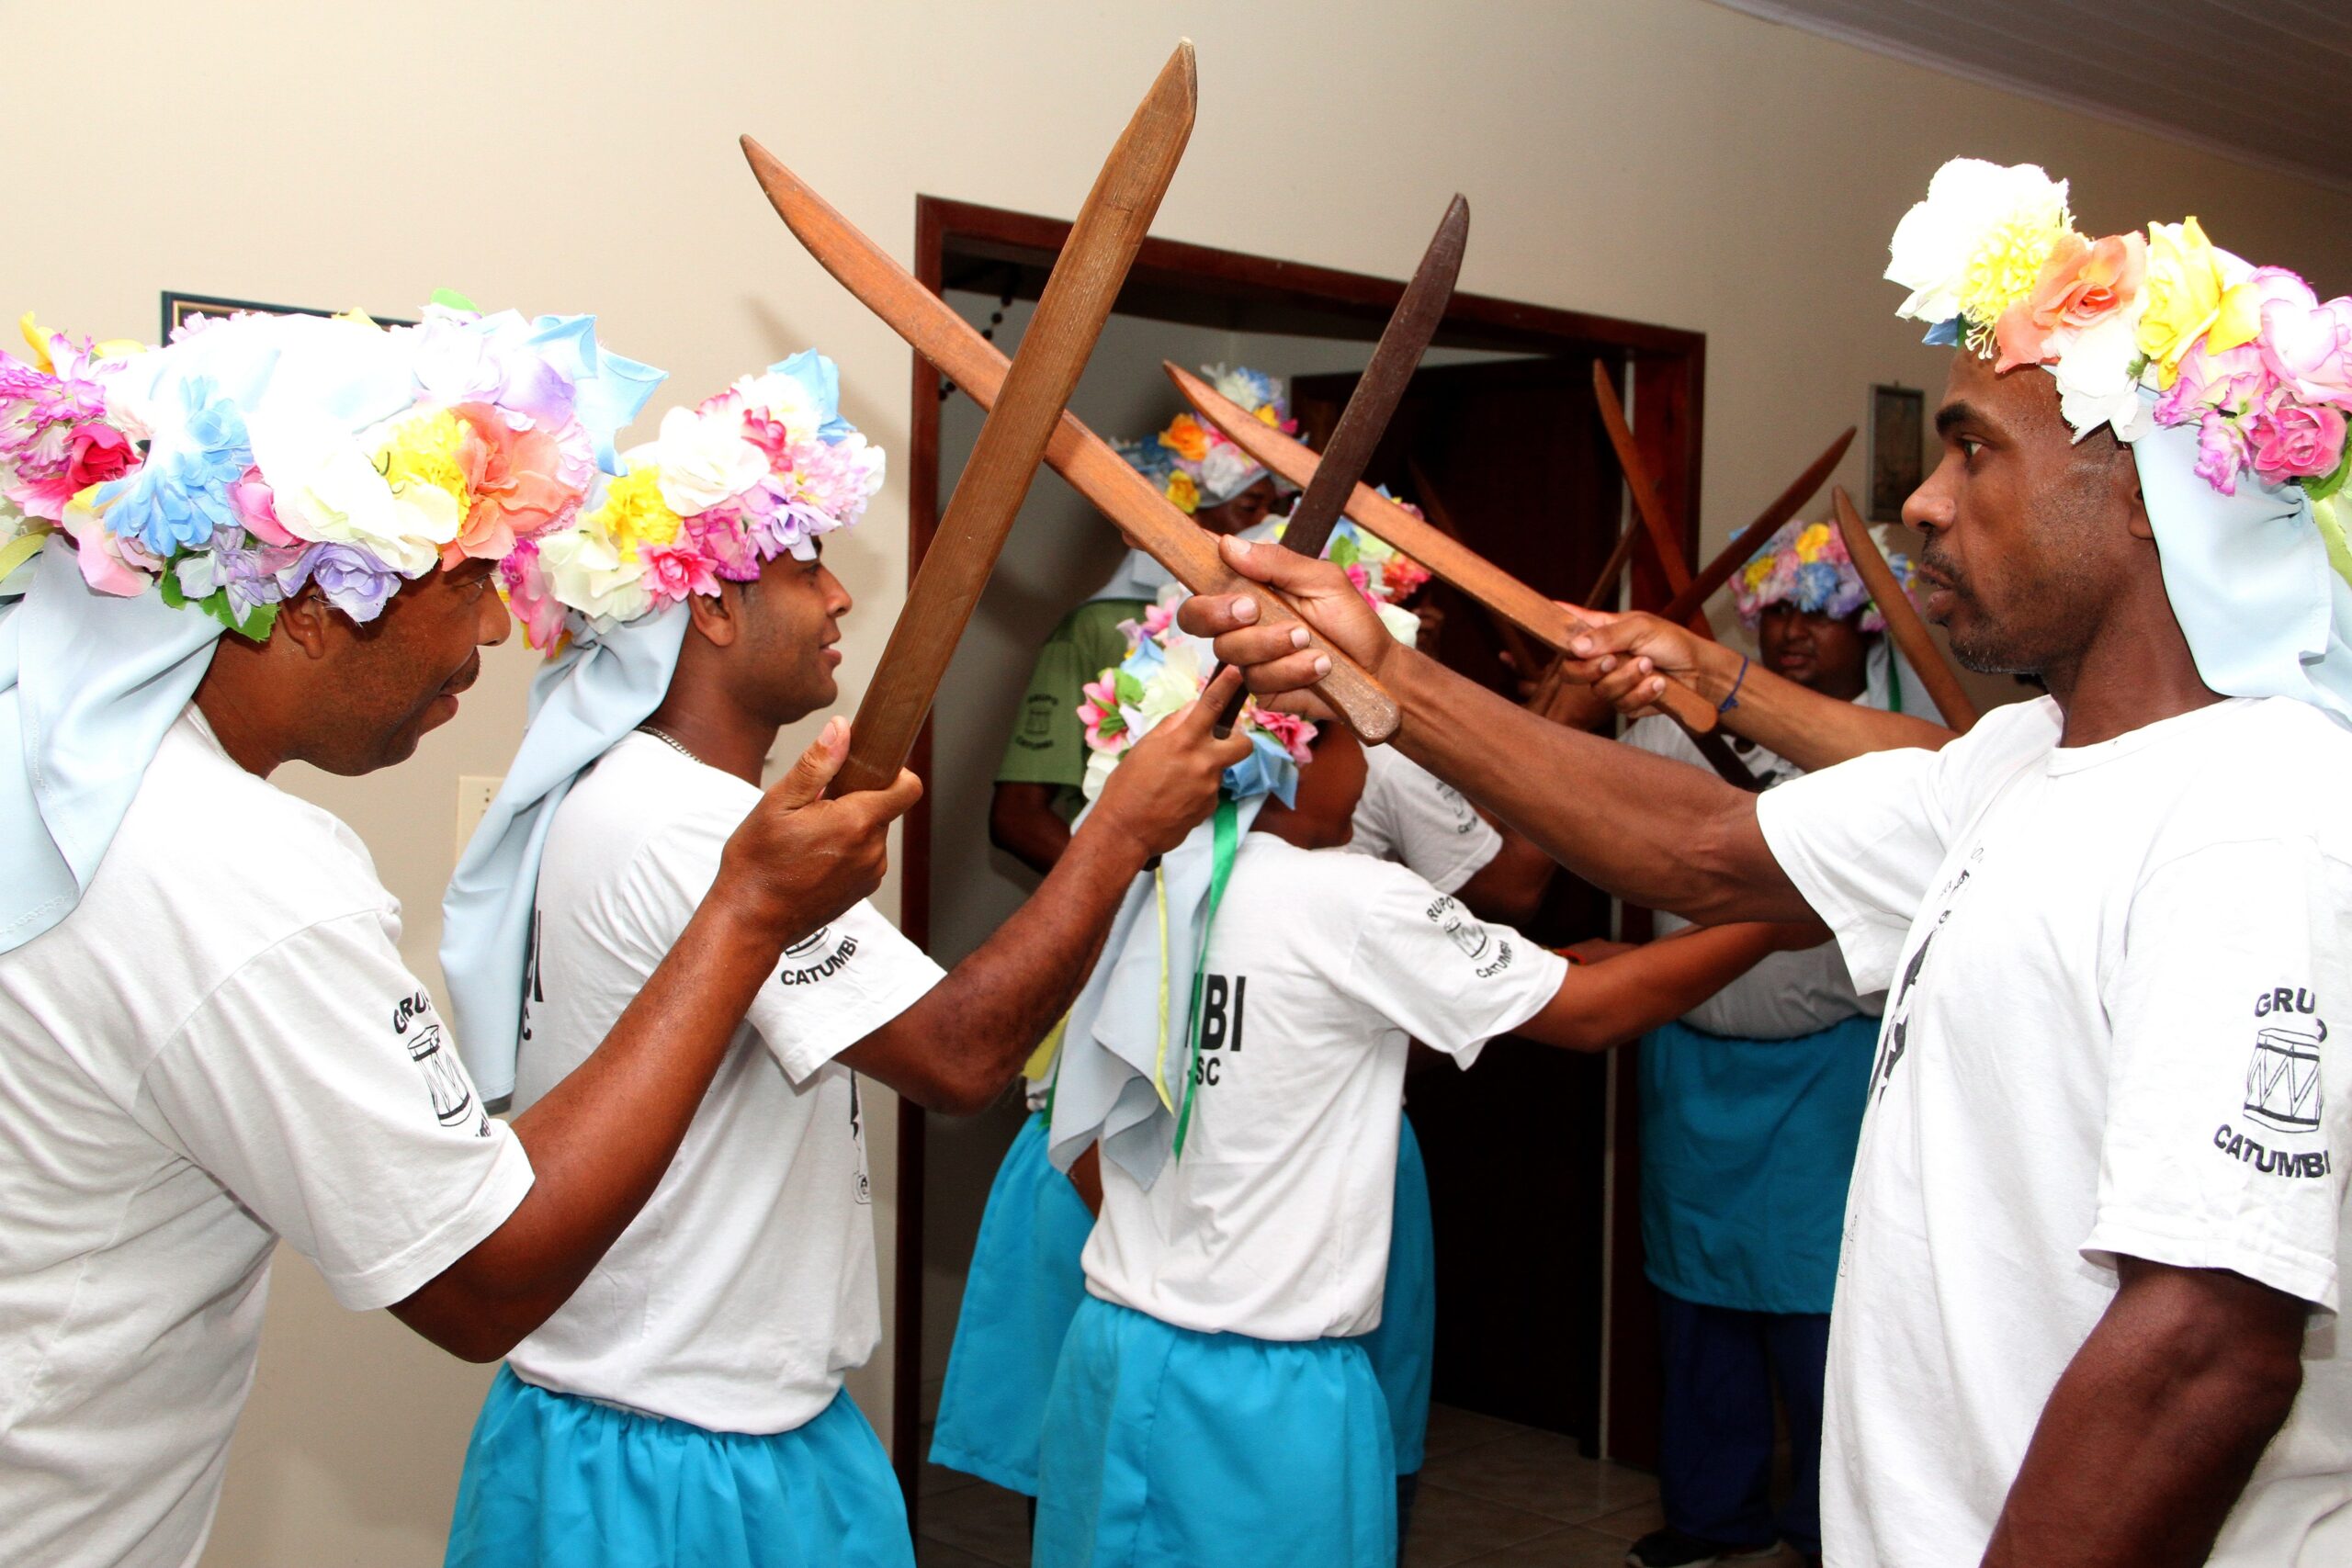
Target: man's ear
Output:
{"points": [[718, 617], [302, 620], [2137, 498]]}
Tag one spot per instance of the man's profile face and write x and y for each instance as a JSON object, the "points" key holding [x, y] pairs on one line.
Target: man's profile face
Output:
{"points": [[1827, 653], [1247, 509], [2027, 529], [400, 674], [792, 619]]}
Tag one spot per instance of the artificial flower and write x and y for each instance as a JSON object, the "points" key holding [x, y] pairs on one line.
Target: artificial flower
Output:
{"points": [[1980, 237], [1183, 491], [2097, 383], [354, 580], [513, 475], [1186, 438], [2295, 442], [2080, 283], [704, 461], [2308, 346], [2184, 288]]}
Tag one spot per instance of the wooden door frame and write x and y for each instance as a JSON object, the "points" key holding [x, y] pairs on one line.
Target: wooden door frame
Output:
{"points": [[1668, 373]]}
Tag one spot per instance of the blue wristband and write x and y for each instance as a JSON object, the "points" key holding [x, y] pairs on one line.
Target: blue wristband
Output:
{"points": [[1731, 698]]}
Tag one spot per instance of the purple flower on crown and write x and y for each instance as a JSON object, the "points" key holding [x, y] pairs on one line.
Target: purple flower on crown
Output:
{"points": [[352, 580]]}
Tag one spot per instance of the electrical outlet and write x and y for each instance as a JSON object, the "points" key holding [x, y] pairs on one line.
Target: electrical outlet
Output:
{"points": [[475, 792]]}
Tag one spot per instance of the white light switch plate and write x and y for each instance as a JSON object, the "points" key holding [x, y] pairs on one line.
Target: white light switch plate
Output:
{"points": [[474, 795]]}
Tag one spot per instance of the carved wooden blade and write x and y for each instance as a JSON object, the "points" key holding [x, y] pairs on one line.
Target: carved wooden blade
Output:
{"points": [[1053, 349], [1648, 506], [1546, 620], [1903, 622], [956, 348], [1748, 540], [1382, 386]]}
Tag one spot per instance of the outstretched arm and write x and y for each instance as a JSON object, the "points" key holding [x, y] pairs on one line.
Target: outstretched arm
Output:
{"points": [[1609, 1002], [1656, 832], [956, 1048], [1629, 656]]}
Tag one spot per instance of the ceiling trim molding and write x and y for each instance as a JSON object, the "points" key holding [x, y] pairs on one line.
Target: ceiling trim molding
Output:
{"points": [[1804, 21]]}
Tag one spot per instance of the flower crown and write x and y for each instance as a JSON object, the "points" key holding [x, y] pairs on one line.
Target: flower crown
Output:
{"points": [[282, 451], [758, 471], [1384, 574], [1165, 669], [2249, 354], [1194, 462], [1806, 564]]}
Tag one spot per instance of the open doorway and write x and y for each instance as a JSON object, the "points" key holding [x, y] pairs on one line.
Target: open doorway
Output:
{"points": [[1502, 420]]}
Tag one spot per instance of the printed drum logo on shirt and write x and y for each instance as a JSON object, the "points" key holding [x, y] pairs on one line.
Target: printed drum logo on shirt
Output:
{"points": [[1448, 915], [1037, 731], [811, 973], [453, 1097], [2282, 1077]]}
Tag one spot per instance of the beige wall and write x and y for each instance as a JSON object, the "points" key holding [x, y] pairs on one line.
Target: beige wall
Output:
{"points": [[1662, 160]]}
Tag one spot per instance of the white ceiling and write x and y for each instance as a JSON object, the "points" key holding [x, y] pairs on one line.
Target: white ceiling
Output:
{"points": [[2266, 82]]}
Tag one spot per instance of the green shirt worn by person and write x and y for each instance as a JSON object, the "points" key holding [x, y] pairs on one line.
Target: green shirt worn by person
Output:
{"points": [[1048, 743]]}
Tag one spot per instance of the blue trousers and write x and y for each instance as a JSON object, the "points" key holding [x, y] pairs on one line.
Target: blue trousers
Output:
{"points": [[1716, 1441]]}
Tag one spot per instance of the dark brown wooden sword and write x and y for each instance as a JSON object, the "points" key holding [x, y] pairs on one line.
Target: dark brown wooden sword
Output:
{"points": [[1748, 540], [1378, 390]]}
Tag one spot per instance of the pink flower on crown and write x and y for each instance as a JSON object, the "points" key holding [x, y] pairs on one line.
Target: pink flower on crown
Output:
{"points": [[542, 615], [2296, 441], [2235, 379], [257, 507], [2309, 346], [672, 572], [2081, 282], [768, 435], [720, 536], [2220, 451], [1291, 732], [1156, 619], [1362, 579], [1105, 730], [1403, 577]]}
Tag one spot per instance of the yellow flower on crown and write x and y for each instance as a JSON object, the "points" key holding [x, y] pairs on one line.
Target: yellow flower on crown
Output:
{"points": [[633, 514], [1269, 414], [1183, 491], [2184, 293], [2008, 259], [1756, 572], [419, 461], [1185, 437], [1810, 545]]}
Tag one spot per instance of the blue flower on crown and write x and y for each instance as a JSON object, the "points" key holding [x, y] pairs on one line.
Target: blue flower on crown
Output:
{"points": [[179, 497]]}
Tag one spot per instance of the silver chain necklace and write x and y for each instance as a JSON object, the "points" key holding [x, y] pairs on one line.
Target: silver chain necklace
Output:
{"points": [[670, 740]]}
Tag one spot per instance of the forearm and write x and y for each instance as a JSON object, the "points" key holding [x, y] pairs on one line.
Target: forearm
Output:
{"points": [[1809, 729], [1620, 998], [1023, 823], [1654, 832], [958, 1047], [600, 1140], [2149, 1436]]}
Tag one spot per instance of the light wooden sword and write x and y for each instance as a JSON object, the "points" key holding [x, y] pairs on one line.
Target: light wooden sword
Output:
{"points": [[1061, 332], [1548, 622], [1902, 621], [954, 347], [1411, 326]]}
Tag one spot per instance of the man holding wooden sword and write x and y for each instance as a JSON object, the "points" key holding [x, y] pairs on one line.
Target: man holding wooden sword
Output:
{"points": [[2093, 1250]]}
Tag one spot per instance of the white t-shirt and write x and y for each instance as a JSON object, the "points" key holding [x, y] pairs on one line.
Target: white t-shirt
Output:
{"points": [[1409, 815], [2113, 968], [1321, 965], [745, 1288], [1785, 995], [219, 1048]]}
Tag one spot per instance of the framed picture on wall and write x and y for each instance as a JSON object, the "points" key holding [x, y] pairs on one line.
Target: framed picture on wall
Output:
{"points": [[1898, 461], [180, 308]]}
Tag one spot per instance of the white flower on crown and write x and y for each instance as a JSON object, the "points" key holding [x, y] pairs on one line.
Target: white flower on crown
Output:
{"points": [[784, 398], [1968, 201], [2095, 385], [706, 462], [1226, 472], [583, 570], [326, 489], [1402, 624]]}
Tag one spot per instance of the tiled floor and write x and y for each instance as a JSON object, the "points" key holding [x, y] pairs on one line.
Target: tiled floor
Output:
{"points": [[1494, 1495]]}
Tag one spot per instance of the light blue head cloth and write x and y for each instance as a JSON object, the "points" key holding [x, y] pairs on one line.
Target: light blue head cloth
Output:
{"points": [[1128, 1042], [583, 701], [2265, 613], [90, 682]]}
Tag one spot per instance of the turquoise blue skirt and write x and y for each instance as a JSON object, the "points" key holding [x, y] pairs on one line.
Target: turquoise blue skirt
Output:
{"points": [[1025, 1283], [1168, 1449], [1405, 1344], [552, 1480], [1023, 1288]]}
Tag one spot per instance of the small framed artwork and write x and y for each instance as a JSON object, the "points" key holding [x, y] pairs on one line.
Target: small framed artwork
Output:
{"points": [[1898, 449], [179, 308]]}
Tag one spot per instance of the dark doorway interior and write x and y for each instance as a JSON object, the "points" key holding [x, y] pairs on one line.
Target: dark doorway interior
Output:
{"points": [[1515, 447]]}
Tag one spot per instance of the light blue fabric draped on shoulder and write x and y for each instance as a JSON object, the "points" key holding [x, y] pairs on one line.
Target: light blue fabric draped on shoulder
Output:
{"points": [[583, 702]]}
